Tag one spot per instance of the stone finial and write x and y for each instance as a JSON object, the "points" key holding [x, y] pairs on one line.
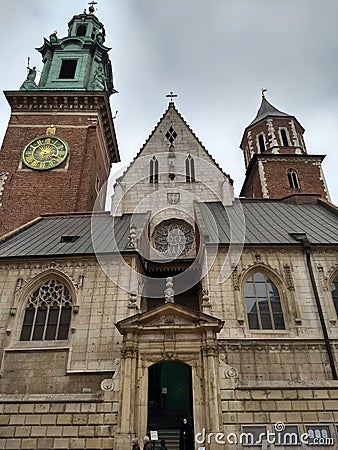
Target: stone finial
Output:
{"points": [[132, 238], [169, 292]]}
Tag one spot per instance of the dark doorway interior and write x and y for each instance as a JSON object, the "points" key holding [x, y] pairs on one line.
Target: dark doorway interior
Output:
{"points": [[169, 395]]}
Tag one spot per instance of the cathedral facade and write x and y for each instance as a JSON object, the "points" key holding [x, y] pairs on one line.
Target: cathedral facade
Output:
{"points": [[182, 300]]}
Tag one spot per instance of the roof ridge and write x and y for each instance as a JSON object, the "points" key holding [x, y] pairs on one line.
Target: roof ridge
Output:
{"points": [[23, 227]]}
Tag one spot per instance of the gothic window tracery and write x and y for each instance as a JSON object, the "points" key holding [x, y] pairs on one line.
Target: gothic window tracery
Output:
{"points": [[173, 238], [334, 293], [190, 169], [293, 179], [48, 313], [263, 303], [153, 178]]}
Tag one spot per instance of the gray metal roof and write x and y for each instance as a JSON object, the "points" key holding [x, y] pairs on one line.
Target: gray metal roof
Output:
{"points": [[44, 238], [265, 222], [270, 222]]}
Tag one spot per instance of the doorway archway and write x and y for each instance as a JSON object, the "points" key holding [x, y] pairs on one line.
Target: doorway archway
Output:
{"points": [[169, 395]]}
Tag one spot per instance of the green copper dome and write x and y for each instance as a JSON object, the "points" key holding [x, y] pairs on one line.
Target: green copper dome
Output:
{"points": [[77, 62]]}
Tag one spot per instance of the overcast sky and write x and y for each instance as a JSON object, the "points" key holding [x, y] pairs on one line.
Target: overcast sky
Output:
{"points": [[216, 55]]}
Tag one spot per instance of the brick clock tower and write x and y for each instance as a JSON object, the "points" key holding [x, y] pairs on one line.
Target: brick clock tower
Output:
{"points": [[60, 141], [276, 160]]}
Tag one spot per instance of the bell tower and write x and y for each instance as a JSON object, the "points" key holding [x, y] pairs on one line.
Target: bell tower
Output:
{"points": [[60, 141], [276, 160]]}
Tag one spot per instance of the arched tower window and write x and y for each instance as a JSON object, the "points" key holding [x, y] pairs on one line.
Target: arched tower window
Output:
{"points": [[263, 304], [48, 313], [284, 137], [81, 30], [293, 179], [334, 292], [189, 169], [153, 170], [261, 143]]}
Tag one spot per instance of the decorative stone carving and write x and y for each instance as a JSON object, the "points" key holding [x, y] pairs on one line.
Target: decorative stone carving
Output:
{"points": [[235, 279], [132, 238], [132, 301], [79, 284], [210, 350], [205, 296], [288, 277], [271, 348], [169, 355], [322, 277], [258, 258], [129, 352], [169, 292], [231, 372], [169, 320], [173, 198], [107, 384], [19, 285], [173, 238]]}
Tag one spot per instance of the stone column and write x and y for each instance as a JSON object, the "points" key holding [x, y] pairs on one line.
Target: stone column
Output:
{"points": [[198, 403], [128, 380], [212, 390], [141, 404]]}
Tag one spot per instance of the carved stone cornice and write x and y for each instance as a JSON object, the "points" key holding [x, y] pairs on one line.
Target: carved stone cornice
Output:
{"points": [[272, 347], [68, 101], [48, 264], [210, 350]]}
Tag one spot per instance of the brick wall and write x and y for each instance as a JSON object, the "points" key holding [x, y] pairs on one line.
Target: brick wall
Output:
{"points": [[67, 188]]}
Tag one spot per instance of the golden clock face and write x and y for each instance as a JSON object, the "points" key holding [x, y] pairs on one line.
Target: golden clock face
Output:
{"points": [[45, 153]]}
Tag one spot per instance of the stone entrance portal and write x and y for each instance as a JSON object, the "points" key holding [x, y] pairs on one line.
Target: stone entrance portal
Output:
{"points": [[165, 342]]}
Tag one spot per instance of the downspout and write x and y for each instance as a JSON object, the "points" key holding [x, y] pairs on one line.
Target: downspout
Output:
{"points": [[302, 238]]}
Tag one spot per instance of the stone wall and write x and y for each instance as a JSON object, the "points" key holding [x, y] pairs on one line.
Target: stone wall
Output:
{"points": [[57, 421]]}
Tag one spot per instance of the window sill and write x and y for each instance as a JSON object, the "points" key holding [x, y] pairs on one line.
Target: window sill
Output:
{"points": [[23, 346], [269, 331]]}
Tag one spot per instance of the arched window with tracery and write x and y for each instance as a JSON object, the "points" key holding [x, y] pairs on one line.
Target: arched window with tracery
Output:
{"points": [[293, 179], [189, 169], [334, 293], [153, 178], [263, 303], [48, 313]]}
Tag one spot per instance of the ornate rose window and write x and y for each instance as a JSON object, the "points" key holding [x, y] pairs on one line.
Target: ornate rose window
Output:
{"points": [[173, 238]]}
